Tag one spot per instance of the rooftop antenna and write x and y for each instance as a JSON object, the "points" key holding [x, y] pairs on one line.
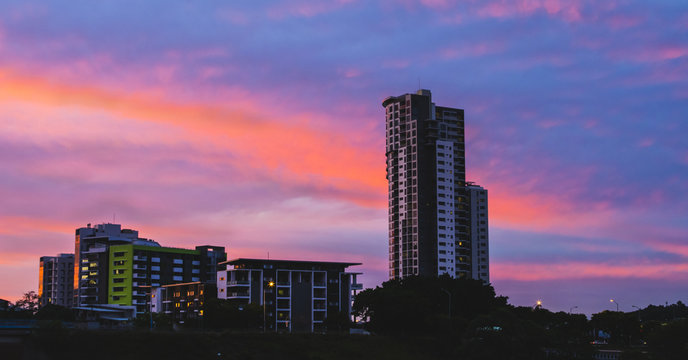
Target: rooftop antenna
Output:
{"points": [[114, 218], [419, 83], [268, 255]]}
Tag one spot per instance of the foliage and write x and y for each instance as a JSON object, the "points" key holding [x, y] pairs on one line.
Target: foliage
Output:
{"points": [[669, 340], [29, 302], [159, 321], [337, 321], [225, 314], [416, 305], [624, 328], [55, 312]]}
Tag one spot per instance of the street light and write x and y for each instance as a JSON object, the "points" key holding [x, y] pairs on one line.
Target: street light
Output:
{"points": [[616, 303], [538, 304], [270, 284]]}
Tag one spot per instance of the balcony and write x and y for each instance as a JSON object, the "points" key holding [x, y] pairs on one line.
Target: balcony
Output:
{"points": [[238, 283], [237, 295], [140, 258]]}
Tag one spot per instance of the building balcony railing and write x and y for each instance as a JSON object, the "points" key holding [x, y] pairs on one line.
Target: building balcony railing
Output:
{"points": [[356, 286], [236, 295], [239, 282], [140, 258]]}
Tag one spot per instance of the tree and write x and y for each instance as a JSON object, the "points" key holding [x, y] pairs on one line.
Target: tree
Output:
{"points": [[225, 314], [337, 321], [29, 302], [425, 305], [55, 312]]}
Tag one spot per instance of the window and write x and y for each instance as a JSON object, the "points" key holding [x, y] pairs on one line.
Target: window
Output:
{"points": [[118, 271], [177, 278], [120, 253], [117, 280], [118, 289]]}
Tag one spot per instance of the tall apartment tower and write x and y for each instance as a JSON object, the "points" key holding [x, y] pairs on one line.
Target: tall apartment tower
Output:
{"points": [[429, 214], [56, 280]]}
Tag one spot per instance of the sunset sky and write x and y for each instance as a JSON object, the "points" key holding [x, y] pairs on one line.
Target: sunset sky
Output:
{"points": [[258, 126]]}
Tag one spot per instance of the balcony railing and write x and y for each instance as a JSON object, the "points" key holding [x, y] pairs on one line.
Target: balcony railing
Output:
{"points": [[234, 295], [238, 282]]}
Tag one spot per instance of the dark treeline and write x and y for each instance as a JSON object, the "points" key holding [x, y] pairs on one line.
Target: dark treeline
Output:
{"points": [[478, 324], [411, 318]]}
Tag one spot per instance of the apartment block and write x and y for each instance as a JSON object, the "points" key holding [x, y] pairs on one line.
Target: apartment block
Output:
{"points": [[134, 269], [184, 302], [56, 280], [296, 295], [115, 266], [428, 198]]}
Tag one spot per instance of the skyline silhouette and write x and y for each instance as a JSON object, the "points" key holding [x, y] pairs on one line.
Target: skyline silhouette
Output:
{"points": [[259, 128]]}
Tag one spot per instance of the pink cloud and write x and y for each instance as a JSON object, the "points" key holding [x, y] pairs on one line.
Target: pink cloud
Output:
{"points": [[570, 11], [306, 8], [583, 270], [471, 50]]}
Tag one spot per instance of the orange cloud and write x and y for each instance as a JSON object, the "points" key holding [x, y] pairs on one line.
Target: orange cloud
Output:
{"points": [[286, 145]]}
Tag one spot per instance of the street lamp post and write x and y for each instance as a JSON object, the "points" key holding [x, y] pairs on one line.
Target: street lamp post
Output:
{"points": [[616, 303], [270, 284]]}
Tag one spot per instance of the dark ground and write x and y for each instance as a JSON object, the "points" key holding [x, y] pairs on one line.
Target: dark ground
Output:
{"points": [[133, 345]]}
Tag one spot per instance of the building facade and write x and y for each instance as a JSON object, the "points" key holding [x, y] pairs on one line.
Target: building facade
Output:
{"points": [[184, 302], [56, 280], [296, 295], [115, 266], [479, 230], [429, 214], [135, 268]]}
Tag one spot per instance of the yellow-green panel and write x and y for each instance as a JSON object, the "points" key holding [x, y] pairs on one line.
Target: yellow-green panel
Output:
{"points": [[124, 264], [155, 249]]}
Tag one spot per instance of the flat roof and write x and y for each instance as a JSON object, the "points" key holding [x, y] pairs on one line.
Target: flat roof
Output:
{"points": [[291, 262]]}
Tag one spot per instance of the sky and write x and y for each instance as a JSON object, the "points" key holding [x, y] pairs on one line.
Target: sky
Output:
{"points": [[258, 126]]}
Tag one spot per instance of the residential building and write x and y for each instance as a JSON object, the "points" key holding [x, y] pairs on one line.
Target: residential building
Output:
{"points": [[429, 215], [4, 305], [135, 268], [91, 255], [479, 232], [295, 295], [184, 302], [56, 280], [117, 267]]}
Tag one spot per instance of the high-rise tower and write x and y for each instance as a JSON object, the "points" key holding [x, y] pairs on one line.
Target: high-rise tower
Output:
{"points": [[429, 218]]}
